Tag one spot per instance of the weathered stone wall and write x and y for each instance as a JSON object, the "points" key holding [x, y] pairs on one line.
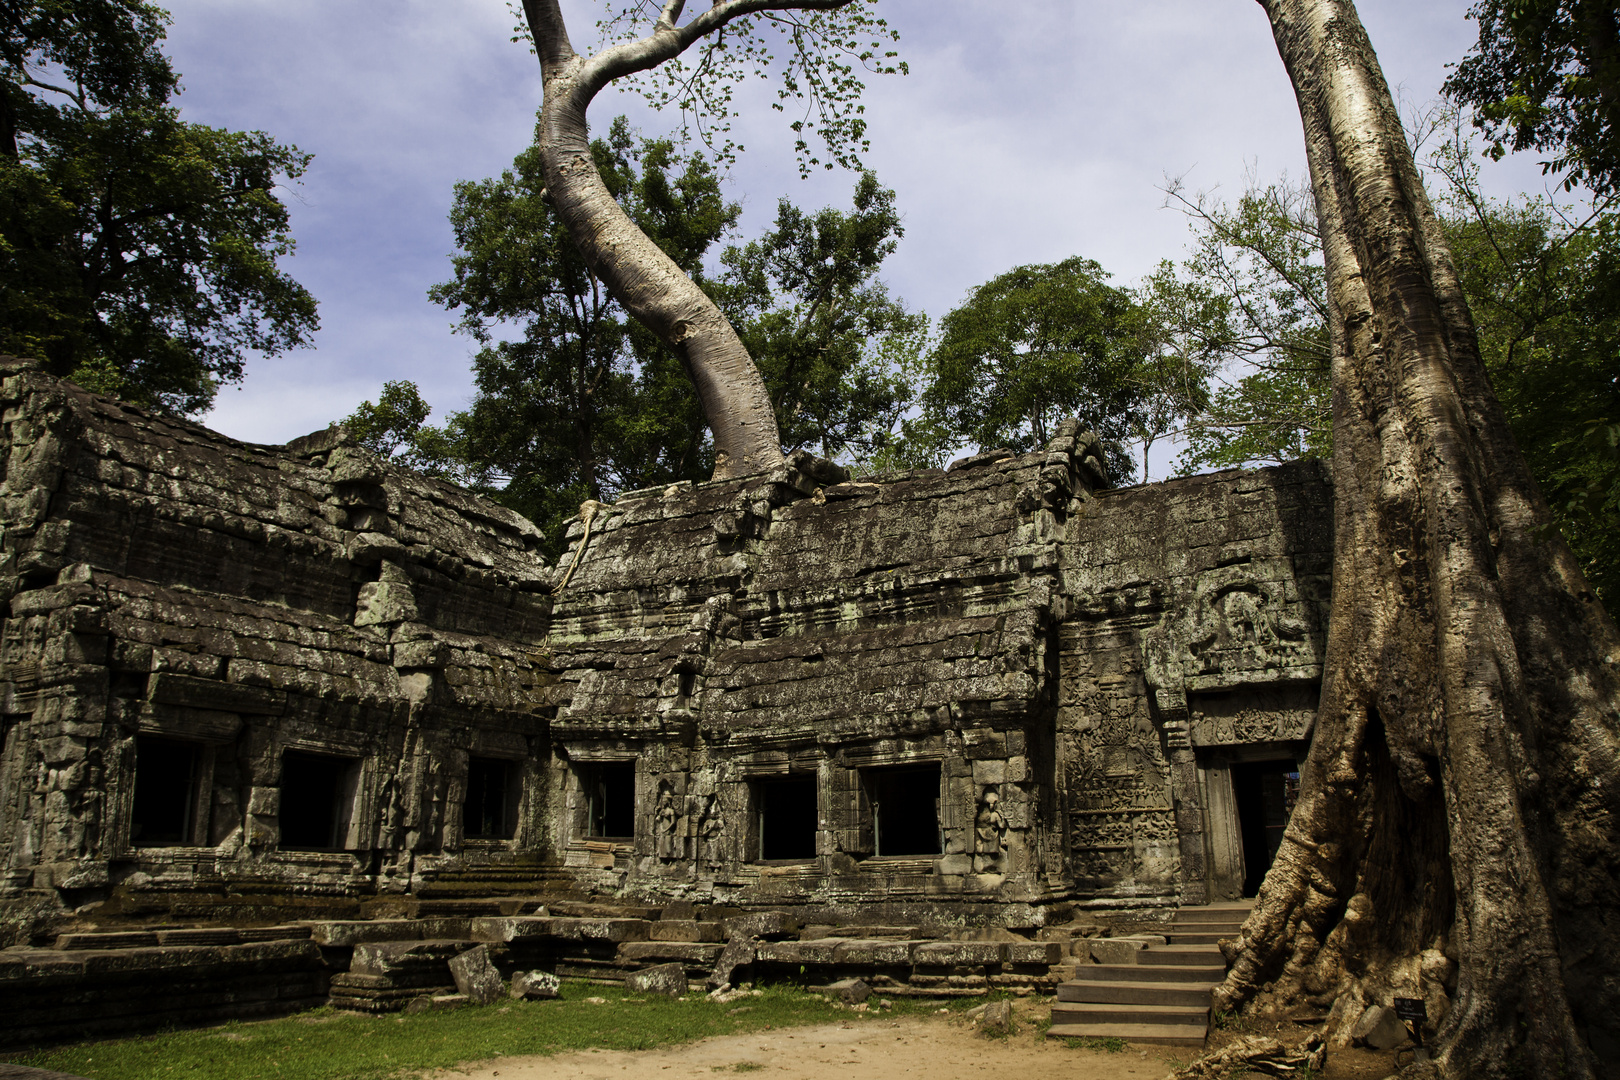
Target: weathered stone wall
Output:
{"points": [[243, 601], [1198, 620], [981, 691]]}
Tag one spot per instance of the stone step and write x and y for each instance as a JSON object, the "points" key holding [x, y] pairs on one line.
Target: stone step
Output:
{"points": [[1179, 938], [1177, 973], [1214, 913], [1224, 929], [1198, 922], [1181, 956], [1165, 1035], [1194, 994], [1086, 1012]]}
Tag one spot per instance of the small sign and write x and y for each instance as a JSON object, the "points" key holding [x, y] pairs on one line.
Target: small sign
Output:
{"points": [[1411, 1010]]}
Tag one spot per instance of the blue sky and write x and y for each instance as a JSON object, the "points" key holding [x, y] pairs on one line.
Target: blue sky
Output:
{"points": [[1026, 132]]}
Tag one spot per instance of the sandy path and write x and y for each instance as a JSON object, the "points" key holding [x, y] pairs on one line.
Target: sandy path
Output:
{"points": [[927, 1049]]}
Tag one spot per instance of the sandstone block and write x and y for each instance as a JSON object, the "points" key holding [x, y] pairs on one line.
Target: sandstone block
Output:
{"points": [[848, 991], [762, 924], [667, 979], [1379, 1028], [535, 985], [387, 957], [1115, 950], [1035, 952], [357, 931], [476, 976], [684, 930], [738, 953], [996, 1018], [688, 952], [959, 953]]}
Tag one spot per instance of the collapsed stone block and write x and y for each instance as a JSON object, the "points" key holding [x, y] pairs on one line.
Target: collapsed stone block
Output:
{"points": [[738, 953], [1380, 1028], [996, 1019], [476, 976], [1115, 950], [848, 991], [535, 985], [667, 979]]}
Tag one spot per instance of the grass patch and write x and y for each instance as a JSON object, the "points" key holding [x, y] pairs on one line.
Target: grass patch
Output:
{"points": [[330, 1045], [1108, 1044]]}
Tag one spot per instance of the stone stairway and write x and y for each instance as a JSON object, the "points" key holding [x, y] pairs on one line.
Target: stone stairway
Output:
{"points": [[1163, 997]]}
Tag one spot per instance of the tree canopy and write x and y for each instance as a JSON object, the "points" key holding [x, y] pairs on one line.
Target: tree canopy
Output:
{"points": [[1040, 343], [140, 251], [809, 306], [587, 403], [1545, 75]]}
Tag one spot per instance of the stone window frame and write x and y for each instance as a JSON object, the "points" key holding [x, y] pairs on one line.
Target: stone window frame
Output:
{"points": [[210, 733], [577, 805], [859, 761], [201, 796], [362, 801], [512, 748], [790, 765], [870, 812]]}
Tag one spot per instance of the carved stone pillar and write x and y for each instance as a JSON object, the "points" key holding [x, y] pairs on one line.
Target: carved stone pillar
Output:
{"points": [[1172, 708]]}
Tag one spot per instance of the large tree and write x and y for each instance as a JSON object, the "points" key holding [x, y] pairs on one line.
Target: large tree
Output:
{"points": [[138, 252], [1457, 835], [650, 285], [583, 402], [807, 302]]}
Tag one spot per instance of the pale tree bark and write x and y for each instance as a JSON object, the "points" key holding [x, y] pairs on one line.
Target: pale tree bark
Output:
{"points": [[646, 281], [1457, 835]]}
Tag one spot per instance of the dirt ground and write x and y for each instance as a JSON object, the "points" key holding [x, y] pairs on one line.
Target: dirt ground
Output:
{"points": [[924, 1048]]}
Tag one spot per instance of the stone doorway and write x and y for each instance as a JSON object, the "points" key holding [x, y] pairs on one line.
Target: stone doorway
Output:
{"points": [[1249, 793], [1265, 793]]}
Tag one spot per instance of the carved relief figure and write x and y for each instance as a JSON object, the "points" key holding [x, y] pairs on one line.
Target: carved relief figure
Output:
{"points": [[990, 827], [666, 819], [711, 831]]}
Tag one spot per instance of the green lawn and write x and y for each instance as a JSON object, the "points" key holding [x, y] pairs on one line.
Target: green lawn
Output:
{"points": [[328, 1045]]}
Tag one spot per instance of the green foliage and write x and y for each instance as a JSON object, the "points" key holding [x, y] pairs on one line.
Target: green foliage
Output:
{"points": [[138, 252], [1545, 75], [1251, 300], [1107, 1044], [831, 344], [327, 1045], [1031, 347], [1545, 294], [819, 57], [394, 423], [585, 403]]}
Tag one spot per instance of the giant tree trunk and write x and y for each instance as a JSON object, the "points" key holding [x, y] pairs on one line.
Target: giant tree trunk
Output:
{"points": [[645, 280], [1457, 835]]}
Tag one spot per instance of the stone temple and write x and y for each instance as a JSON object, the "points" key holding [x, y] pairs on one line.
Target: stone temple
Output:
{"points": [[247, 685]]}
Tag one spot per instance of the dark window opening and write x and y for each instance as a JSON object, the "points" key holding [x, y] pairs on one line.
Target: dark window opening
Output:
{"points": [[610, 791], [490, 812], [905, 809], [165, 803], [1265, 792], [317, 799], [787, 818]]}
